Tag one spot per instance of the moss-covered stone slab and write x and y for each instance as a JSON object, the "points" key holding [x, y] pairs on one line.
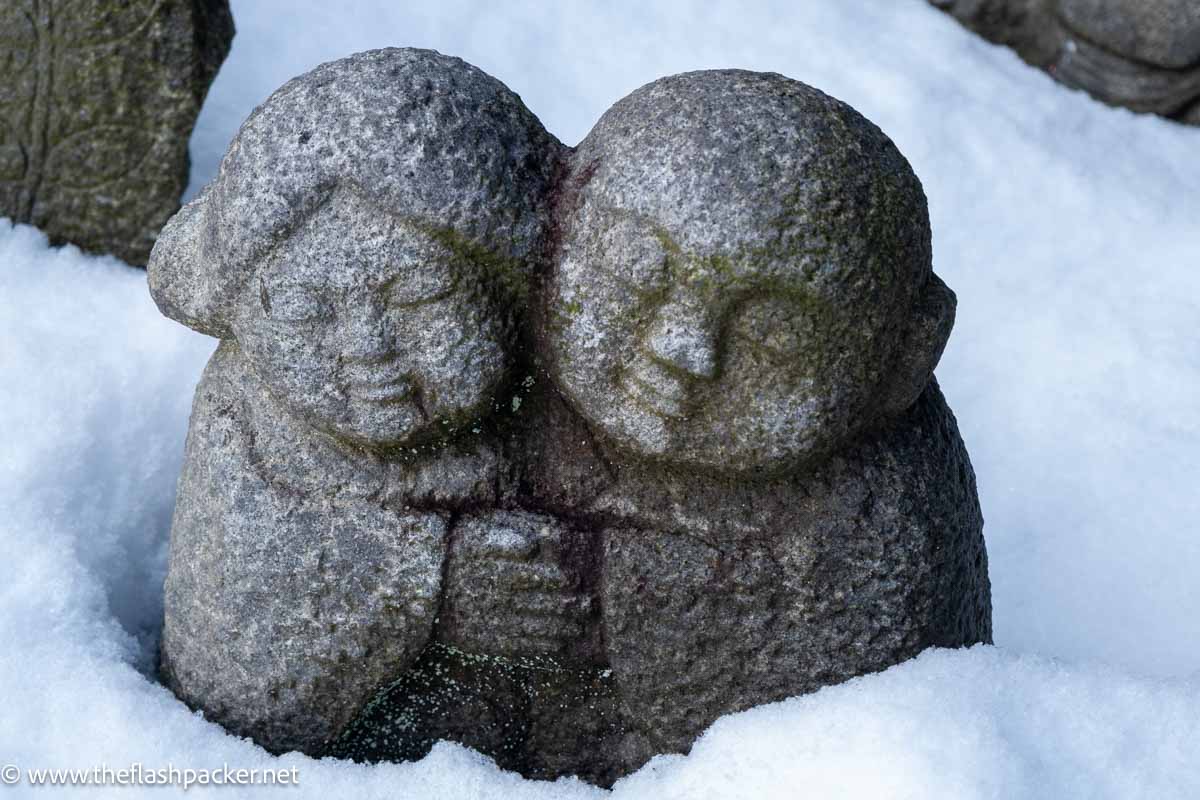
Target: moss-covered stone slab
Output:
{"points": [[97, 102]]}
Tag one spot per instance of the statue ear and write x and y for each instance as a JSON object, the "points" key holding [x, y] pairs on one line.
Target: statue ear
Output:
{"points": [[182, 284], [920, 346]]}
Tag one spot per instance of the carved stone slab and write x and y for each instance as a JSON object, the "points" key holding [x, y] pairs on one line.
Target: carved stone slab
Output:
{"points": [[97, 102]]}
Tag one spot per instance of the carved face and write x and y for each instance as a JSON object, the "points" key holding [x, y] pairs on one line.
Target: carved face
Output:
{"points": [[726, 360], [370, 327]]}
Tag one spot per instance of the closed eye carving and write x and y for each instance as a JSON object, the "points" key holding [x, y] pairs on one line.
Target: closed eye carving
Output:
{"points": [[293, 302], [774, 328], [427, 288]]}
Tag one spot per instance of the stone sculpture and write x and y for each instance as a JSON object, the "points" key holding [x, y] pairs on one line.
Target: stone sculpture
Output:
{"points": [[561, 454], [1140, 54], [360, 254], [743, 310], [97, 102]]}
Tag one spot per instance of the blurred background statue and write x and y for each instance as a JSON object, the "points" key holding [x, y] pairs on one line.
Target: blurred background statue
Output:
{"points": [[1140, 54], [97, 103]]}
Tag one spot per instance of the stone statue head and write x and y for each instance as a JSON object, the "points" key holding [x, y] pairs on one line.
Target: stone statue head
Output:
{"points": [[744, 276], [367, 242]]}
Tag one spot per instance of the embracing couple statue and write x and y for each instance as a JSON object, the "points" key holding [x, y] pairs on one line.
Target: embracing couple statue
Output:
{"points": [[561, 453]]}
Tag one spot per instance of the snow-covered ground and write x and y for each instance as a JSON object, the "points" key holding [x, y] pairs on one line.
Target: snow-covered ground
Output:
{"points": [[1071, 233]]}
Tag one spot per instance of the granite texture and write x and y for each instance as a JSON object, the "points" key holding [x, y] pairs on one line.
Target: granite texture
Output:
{"points": [[744, 266], [1140, 54], [97, 103], [561, 454], [363, 252]]}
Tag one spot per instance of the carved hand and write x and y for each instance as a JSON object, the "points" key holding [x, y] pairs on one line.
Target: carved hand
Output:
{"points": [[517, 584]]}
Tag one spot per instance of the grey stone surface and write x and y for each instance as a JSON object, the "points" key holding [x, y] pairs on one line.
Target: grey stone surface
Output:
{"points": [[1141, 54], [743, 594], [558, 454], [364, 253], [537, 715], [283, 616], [743, 316], [97, 102], [745, 265]]}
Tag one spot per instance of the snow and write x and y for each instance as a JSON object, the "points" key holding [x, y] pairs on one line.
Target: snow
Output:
{"points": [[1069, 231]]}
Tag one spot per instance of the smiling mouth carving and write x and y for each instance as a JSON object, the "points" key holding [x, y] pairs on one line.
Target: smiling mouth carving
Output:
{"points": [[392, 391], [379, 383], [654, 389]]}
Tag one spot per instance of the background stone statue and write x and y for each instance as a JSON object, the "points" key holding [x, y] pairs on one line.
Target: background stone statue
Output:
{"points": [[1141, 54], [559, 454], [97, 103]]}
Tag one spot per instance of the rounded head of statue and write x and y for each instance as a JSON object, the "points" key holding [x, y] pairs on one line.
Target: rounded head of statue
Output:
{"points": [[744, 276], [368, 242]]}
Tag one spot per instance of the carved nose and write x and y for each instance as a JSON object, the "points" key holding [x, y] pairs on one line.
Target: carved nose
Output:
{"points": [[368, 337], [682, 337]]}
